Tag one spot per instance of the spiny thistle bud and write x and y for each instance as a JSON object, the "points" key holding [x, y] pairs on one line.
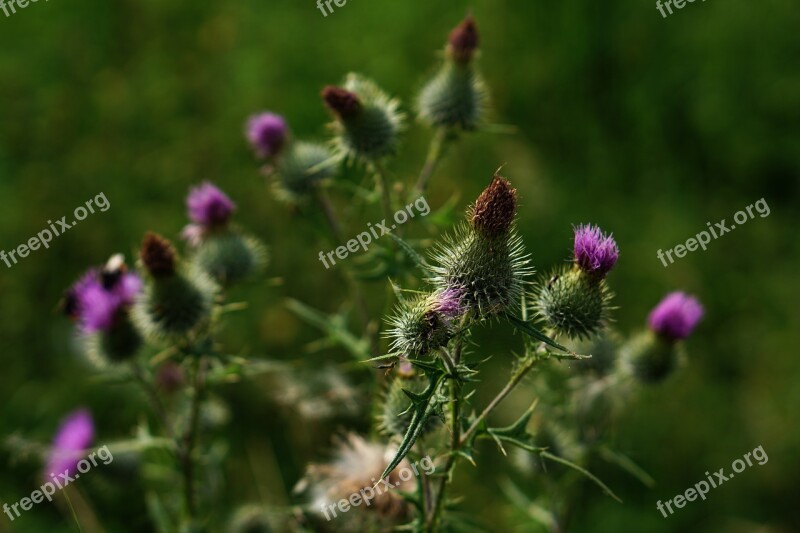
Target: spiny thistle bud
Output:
{"points": [[676, 316], [425, 323], [177, 299], [463, 40], [301, 167], [367, 120], [595, 253], [267, 134], [100, 302], [229, 256], [652, 355], [604, 349], [575, 301], [220, 249], [456, 96], [485, 261], [158, 255]]}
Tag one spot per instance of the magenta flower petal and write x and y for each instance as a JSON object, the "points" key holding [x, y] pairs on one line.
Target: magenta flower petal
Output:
{"points": [[676, 316], [209, 206], [595, 252], [266, 133], [73, 437]]}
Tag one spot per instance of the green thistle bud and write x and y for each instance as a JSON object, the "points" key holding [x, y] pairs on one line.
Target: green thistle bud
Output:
{"points": [[421, 325], [367, 120], [176, 300], [299, 168], [485, 260], [650, 359], [229, 257], [573, 303], [604, 349], [456, 96]]}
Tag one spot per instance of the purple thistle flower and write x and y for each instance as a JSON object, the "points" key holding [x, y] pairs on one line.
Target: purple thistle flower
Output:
{"points": [[97, 296], [266, 133], [209, 206], [449, 302], [676, 316], [595, 253], [74, 435]]}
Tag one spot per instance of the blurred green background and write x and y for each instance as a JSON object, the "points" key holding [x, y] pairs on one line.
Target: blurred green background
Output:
{"points": [[649, 127]]}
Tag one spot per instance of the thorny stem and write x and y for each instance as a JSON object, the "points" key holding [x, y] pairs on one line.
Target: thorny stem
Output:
{"points": [[386, 192], [435, 152], [432, 522], [190, 436]]}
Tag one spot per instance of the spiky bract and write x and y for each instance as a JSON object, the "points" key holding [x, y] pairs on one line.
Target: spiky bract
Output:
{"points": [[573, 304], [418, 326], [456, 97], [300, 167], [648, 358], [229, 256]]}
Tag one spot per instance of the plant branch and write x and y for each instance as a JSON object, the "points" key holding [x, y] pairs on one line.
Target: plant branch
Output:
{"points": [[435, 153]]}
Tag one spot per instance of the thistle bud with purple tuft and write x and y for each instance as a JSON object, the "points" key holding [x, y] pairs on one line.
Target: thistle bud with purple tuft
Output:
{"points": [[220, 249], [456, 96], [484, 262], [366, 121], [177, 297], [426, 323], [575, 300], [654, 354], [100, 302]]}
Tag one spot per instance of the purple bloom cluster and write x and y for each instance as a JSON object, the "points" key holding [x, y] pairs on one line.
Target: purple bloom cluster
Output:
{"points": [[266, 133], [75, 434], [676, 316], [96, 297], [595, 252]]}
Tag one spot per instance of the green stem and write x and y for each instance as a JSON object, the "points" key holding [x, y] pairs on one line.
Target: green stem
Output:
{"points": [[190, 437], [386, 192], [435, 153], [155, 400]]}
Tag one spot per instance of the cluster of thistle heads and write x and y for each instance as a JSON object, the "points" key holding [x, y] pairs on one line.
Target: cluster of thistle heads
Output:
{"points": [[120, 310], [482, 272], [367, 122]]}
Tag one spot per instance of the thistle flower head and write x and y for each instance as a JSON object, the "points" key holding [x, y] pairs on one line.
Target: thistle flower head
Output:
{"points": [[494, 211], [424, 323], [595, 252], [573, 304], [74, 435], [484, 261], [302, 166], [208, 206], [267, 133], [676, 316], [463, 40], [367, 121], [98, 296], [158, 255]]}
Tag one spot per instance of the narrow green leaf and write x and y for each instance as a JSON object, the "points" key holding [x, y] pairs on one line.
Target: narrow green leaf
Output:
{"points": [[418, 260], [536, 334], [627, 464], [570, 464]]}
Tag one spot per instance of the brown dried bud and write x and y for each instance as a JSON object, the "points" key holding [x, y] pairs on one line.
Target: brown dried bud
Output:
{"points": [[158, 255], [341, 101], [495, 208], [464, 40]]}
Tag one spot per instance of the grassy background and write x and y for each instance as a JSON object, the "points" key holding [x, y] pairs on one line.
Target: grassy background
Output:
{"points": [[649, 127]]}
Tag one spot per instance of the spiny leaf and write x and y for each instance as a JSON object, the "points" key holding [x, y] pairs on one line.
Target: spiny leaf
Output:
{"points": [[333, 325], [418, 260], [627, 464], [570, 464], [422, 409]]}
